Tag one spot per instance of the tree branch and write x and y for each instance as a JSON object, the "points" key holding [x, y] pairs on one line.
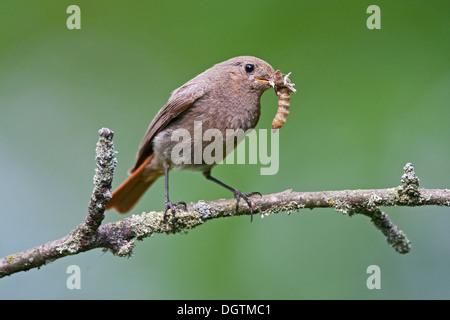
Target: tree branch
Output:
{"points": [[119, 237], [84, 237]]}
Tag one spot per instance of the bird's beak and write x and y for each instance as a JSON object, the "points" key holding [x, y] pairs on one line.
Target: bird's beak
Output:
{"points": [[266, 81]]}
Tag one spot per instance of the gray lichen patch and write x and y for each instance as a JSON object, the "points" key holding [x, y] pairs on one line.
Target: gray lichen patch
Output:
{"points": [[394, 236], [409, 191], [126, 250], [342, 206], [204, 210], [287, 207], [145, 224]]}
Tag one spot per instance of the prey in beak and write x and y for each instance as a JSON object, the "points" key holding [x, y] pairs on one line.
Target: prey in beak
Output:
{"points": [[266, 81]]}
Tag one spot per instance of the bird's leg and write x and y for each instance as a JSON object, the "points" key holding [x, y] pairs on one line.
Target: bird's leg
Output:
{"points": [[167, 204], [237, 194]]}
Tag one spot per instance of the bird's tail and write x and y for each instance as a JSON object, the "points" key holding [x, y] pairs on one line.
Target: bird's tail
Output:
{"points": [[127, 195]]}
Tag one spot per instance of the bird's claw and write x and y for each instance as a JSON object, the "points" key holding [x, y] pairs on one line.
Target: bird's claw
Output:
{"points": [[169, 205], [238, 195]]}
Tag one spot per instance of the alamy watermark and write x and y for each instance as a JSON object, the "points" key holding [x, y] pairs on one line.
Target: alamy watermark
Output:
{"points": [[213, 147], [374, 280], [74, 280]]}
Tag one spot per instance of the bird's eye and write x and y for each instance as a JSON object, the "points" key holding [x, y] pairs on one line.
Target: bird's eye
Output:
{"points": [[249, 68]]}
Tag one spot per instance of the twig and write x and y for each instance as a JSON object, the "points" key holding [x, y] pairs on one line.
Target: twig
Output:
{"points": [[84, 237], [120, 237]]}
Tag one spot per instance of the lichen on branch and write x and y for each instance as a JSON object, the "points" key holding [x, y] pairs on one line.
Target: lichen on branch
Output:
{"points": [[119, 237]]}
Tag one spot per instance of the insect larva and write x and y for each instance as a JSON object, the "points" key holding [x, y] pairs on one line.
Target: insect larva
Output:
{"points": [[283, 88], [283, 108]]}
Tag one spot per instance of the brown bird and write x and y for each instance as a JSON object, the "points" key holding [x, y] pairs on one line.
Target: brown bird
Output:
{"points": [[226, 96]]}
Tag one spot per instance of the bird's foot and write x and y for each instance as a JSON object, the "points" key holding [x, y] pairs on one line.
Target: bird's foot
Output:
{"points": [[238, 195], [169, 205]]}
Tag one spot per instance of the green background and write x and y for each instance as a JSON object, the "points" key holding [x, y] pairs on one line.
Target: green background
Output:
{"points": [[368, 102]]}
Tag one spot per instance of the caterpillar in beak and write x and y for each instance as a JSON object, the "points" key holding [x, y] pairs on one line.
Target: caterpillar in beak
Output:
{"points": [[283, 88]]}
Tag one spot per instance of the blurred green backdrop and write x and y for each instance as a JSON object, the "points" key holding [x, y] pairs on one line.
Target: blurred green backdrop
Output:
{"points": [[368, 102]]}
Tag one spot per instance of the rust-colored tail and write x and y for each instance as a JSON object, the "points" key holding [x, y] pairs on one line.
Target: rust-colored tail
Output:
{"points": [[127, 195]]}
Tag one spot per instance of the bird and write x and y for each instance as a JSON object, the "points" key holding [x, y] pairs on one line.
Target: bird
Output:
{"points": [[223, 97]]}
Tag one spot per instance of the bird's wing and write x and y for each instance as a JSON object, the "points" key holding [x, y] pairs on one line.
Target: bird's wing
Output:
{"points": [[180, 100]]}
